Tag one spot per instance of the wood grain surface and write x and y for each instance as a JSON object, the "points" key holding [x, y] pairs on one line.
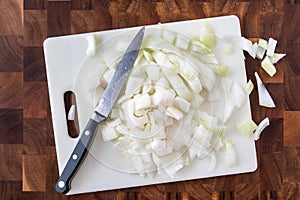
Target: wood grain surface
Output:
{"points": [[28, 165]]}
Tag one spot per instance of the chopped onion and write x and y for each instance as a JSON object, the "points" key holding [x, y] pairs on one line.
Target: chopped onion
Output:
{"points": [[267, 65], [276, 57], [245, 44], [260, 52], [261, 126], [247, 127], [153, 72], [71, 113], [271, 47], [231, 159], [168, 35], [108, 133], [142, 101], [264, 97], [207, 36], [174, 113], [148, 56], [133, 85], [249, 87], [122, 46], [263, 43], [92, 45], [238, 94], [109, 74], [182, 42], [182, 104], [253, 50]]}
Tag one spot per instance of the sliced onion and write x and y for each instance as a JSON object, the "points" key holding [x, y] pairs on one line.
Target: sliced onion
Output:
{"points": [[263, 43], [271, 47], [71, 113], [247, 127], [265, 98], [261, 126], [276, 57], [231, 159], [92, 45], [268, 66]]}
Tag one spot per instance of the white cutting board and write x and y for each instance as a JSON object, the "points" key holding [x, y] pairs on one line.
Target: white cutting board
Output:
{"points": [[64, 56]]}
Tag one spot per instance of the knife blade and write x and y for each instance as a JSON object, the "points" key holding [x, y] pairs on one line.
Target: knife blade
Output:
{"points": [[100, 113]]}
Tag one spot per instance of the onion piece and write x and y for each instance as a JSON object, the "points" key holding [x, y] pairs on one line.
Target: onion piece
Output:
{"points": [[213, 161], [182, 42], [153, 72], [268, 66], [148, 56], [231, 159], [276, 57], [174, 113], [122, 46], [71, 113], [142, 101], [271, 47], [108, 133], [178, 84], [168, 35], [207, 36], [261, 126], [228, 49], [133, 85], [109, 74], [263, 43], [92, 45], [182, 104], [245, 44], [260, 52], [265, 98], [247, 127], [253, 50], [249, 87], [200, 47], [238, 94]]}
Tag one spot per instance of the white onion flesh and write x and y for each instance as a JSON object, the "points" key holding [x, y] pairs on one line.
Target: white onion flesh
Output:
{"points": [[264, 96], [71, 113], [261, 126]]}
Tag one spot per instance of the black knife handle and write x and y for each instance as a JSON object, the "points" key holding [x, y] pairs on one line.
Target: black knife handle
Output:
{"points": [[79, 153]]}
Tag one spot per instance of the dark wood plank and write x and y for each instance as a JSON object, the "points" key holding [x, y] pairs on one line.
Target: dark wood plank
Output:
{"points": [[34, 64], [35, 136], [10, 189], [291, 94], [83, 4], [11, 22], [58, 18], [35, 5], [11, 54], [11, 126], [11, 162], [34, 173], [35, 27], [11, 86], [35, 100]]}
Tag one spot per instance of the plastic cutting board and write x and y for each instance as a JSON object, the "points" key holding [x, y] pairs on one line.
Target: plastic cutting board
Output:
{"points": [[64, 56]]}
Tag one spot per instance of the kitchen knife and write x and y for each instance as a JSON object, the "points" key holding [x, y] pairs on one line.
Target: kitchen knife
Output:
{"points": [[100, 114]]}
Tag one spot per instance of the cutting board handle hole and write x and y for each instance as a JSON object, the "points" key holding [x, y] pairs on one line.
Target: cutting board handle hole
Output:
{"points": [[73, 125]]}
